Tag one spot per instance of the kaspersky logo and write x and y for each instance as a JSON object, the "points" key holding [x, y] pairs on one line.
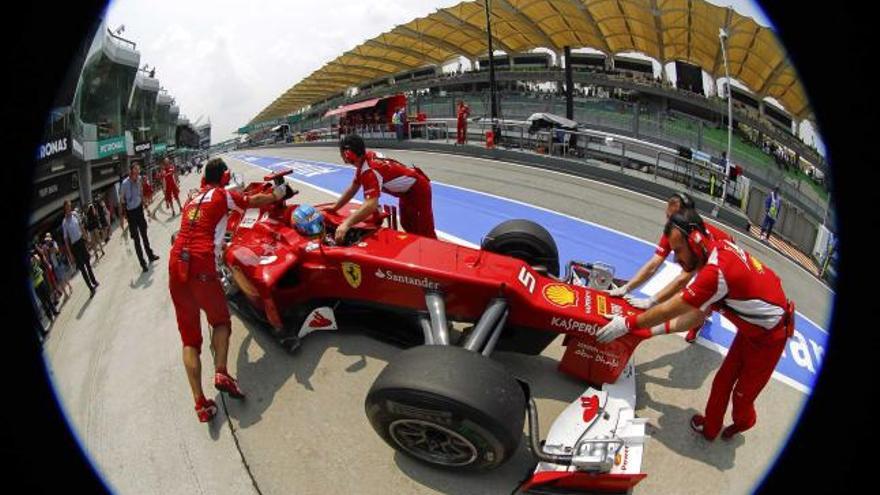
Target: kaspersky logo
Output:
{"points": [[570, 324], [423, 282]]}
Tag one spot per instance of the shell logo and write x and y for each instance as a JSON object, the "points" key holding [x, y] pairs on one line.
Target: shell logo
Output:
{"points": [[560, 295]]}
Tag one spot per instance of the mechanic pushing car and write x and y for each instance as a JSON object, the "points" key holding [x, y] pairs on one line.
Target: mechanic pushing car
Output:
{"points": [[744, 291], [193, 280], [377, 173], [676, 202]]}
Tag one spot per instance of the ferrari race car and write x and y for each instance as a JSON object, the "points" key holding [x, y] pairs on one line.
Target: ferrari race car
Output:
{"points": [[443, 400]]}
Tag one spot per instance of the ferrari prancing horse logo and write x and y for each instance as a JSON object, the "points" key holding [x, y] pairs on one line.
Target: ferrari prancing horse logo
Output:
{"points": [[352, 274]]}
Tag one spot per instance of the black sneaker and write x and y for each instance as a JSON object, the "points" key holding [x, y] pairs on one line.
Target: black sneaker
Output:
{"points": [[144, 268], [92, 290], [153, 258]]}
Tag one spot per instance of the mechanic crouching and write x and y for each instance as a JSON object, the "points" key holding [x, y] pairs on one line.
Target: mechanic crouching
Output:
{"points": [[377, 173], [742, 289], [193, 280]]}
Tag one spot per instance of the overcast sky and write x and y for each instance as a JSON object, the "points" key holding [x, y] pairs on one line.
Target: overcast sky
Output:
{"points": [[228, 60]]}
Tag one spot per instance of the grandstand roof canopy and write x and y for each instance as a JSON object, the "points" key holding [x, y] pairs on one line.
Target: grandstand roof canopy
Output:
{"points": [[666, 30]]}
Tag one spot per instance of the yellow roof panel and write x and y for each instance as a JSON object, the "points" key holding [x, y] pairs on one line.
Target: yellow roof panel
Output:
{"points": [[666, 30]]}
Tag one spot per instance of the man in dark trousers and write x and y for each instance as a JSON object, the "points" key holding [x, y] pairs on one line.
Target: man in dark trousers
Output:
{"points": [[132, 200], [75, 243], [771, 212]]}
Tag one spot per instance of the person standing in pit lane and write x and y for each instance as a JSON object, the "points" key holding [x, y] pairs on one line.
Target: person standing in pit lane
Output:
{"points": [[193, 280], [41, 288], [103, 221], [677, 202], [464, 111], [376, 173], [50, 247], [772, 205], [170, 187], [93, 228], [75, 245], [749, 294], [132, 200]]}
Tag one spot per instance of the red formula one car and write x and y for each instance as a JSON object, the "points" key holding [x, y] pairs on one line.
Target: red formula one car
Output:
{"points": [[444, 401]]}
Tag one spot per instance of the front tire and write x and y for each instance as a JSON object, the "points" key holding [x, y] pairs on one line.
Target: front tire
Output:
{"points": [[448, 407]]}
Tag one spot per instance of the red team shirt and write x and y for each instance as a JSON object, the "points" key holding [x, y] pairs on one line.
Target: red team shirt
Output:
{"points": [[168, 177], [378, 173], [203, 226], [739, 286]]}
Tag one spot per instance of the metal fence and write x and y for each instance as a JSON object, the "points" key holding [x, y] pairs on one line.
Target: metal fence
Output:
{"points": [[669, 129]]}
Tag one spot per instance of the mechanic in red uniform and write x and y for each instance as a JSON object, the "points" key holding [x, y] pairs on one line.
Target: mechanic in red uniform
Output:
{"points": [[462, 114], [377, 173], [170, 185], [193, 281], [676, 202], [744, 291]]}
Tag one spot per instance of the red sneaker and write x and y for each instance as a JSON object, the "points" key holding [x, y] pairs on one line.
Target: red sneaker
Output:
{"points": [[697, 423], [226, 383], [692, 335], [729, 432], [206, 410]]}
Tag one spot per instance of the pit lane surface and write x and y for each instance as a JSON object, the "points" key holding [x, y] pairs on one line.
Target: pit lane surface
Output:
{"points": [[116, 362]]}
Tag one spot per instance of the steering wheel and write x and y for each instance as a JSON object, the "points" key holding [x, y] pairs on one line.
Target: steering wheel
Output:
{"points": [[351, 237]]}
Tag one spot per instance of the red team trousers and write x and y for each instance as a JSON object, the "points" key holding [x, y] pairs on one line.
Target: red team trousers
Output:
{"points": [[416, 214], [745, 371], [461, 131], [201, 291]]}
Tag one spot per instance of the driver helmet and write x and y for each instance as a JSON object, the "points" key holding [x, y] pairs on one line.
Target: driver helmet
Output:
{"points": [[307, 220]]}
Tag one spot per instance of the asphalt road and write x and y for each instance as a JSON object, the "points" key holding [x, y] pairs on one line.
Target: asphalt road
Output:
{"points": [[115, 361]]}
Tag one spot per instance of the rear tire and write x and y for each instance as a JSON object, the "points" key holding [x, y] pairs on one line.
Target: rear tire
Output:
{"points": [[448, 407], [524, 240]]}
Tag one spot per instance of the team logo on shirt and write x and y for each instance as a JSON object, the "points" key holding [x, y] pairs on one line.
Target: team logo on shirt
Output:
{"points": [[352, 274], [193, 214], [757, 264], [560, 295]]}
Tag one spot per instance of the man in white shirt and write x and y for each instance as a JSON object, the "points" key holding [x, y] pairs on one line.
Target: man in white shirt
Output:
{"points": [[75, 243], [131, 196]]}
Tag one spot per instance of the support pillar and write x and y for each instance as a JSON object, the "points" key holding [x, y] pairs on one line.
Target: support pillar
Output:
{"points": [[85, 183], [569, 85]]}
